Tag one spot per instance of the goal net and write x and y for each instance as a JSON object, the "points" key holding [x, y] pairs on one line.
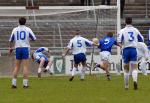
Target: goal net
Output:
{"points": [[58, 23], [54, 26]]}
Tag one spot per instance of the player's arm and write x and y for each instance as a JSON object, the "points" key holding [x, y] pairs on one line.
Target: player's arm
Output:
{"points": [[146, 51], [31, 35], [11, 40], [69, 47], [120, 39], [140, 37]]}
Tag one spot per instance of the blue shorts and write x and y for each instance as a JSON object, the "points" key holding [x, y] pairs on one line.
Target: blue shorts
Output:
{"points": [[79, 58], [22, 53], [129, 55], [46, 60]]}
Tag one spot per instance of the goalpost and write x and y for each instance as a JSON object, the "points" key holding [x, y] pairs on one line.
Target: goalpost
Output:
{"points": [[53, 23]]}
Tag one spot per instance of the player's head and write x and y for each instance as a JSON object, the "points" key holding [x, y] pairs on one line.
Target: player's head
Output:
{"points": [[77, 32], [128, 20], [22, 21], [110, 34]]}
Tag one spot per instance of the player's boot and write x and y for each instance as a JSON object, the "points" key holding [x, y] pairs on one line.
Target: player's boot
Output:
{"points": [[39, 75], [13, 87], [108, 77], [126, 86], [135, 85], [71, 78], [45, 70], [25, 87]]}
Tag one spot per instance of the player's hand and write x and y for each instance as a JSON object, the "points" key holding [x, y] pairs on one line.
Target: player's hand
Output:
{"points": [[10, 51]]}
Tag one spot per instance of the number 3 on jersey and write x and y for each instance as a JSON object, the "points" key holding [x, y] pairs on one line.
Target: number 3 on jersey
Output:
{"points": [[79, 44], [21, 35], [131, 37]]}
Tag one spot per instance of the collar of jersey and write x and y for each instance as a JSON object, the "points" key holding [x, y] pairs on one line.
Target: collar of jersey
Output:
{"points": [[128, 25]]}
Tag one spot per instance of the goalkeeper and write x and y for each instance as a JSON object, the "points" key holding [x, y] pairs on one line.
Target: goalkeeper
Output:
{"points": [[41, 56]]}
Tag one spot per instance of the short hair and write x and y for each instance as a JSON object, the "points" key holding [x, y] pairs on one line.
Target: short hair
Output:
{"points": [[110, 34], [128, 20], [22, 21]]}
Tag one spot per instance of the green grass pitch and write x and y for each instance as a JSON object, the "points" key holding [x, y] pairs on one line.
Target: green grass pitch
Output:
{"points": [[95, 89]]}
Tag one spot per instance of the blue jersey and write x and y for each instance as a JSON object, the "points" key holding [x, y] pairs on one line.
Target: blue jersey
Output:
{"points": [[106, 43]]}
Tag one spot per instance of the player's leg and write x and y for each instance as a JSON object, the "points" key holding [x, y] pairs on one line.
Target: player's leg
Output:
{"points": [[134, 66], [73, 72], [48, 66], [84, 66], [25, 60], [106, 68], [126, 75], [41, 63], [82, 59], [17, 67], [15, 73], [126, 67], [76, 62], [143, 65], [25, 72]]}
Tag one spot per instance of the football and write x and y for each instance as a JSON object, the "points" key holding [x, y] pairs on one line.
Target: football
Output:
{"points": [[95, 40]]}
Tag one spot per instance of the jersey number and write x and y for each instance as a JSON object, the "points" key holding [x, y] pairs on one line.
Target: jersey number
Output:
{"points": [[106, 41], [131, 37], [21, 35], [79, 44]]}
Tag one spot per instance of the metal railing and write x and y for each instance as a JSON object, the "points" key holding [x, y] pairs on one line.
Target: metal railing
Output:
{"points": [[146, 8]]}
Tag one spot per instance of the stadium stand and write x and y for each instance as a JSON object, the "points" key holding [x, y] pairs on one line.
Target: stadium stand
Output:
{"points": [[49, 35]]}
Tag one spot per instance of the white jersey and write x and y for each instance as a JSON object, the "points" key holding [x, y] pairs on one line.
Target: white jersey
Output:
{"points": [[142, 50], [129, 36], [78, 44], [21, 35]]}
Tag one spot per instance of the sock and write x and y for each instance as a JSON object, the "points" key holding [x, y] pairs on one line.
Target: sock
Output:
{"points": [[14, 81], [143, 67], [47, 68], [83, 72], [126, 79], [134, 75], [98, 65], [39, 70], [73, 71], [25, 82]]}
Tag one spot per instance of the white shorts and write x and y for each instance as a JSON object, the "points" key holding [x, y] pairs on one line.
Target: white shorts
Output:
{"points": [[105, 56]]}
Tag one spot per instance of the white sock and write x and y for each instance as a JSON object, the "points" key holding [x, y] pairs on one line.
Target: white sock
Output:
{"points": [[83, 72], [39, 70], [47, 68], [25, 82], [73, 71], [126, 79], [14, 81], [134, 75], [143, 67]]}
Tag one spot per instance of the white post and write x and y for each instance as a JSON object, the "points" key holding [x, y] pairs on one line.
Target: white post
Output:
{"points": [[33, 11], [61, 42], [118, 29]]}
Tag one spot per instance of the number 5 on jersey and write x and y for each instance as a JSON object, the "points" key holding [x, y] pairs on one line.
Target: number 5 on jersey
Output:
{"points": [[79, 44]]}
